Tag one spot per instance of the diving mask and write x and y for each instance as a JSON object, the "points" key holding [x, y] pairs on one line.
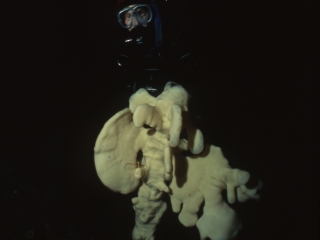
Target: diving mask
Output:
{"points": [[135, 15]]}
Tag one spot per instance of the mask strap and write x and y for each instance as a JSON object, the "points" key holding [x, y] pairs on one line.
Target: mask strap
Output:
{"points": [[157, 25]]}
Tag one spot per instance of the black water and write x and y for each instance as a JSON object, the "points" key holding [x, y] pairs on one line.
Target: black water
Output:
{"points": [[255, 93]]}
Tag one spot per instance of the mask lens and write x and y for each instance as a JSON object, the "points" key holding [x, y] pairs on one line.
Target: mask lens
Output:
{"points": [[143, 13], [126, 17]]}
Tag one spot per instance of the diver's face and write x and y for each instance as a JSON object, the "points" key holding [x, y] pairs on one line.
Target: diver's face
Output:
{"points": [[130, 17]]}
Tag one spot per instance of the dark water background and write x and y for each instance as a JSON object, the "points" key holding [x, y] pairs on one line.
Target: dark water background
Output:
{"points": [[255, 91]]}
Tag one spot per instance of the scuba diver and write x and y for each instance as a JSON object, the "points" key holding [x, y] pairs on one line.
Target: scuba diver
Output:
{"points": [[148, 56]]}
